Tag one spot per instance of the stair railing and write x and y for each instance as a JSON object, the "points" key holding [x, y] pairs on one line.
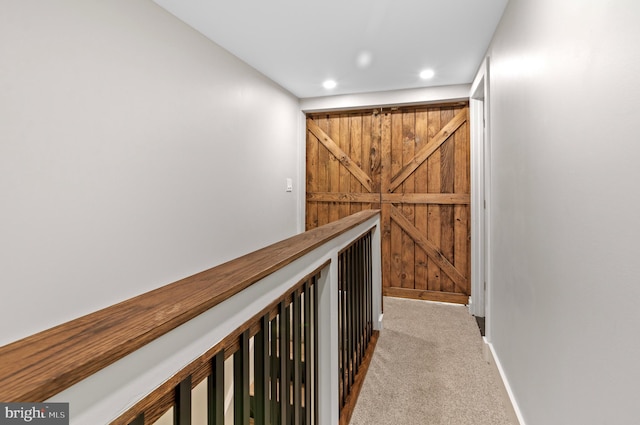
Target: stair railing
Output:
{"points": [[266, 338]]}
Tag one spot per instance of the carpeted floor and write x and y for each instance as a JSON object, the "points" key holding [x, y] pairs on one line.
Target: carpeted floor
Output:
{"points": [[429, 368]]}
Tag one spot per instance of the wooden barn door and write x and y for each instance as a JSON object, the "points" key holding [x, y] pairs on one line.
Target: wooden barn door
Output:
{"points": [[426, 204], [413, 163]]}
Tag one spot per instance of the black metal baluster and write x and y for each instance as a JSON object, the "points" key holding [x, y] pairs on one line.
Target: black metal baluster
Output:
{"points": [[352, 319], [368, 285], [241, 382], [356, 306], [343, 328], [275, 371], [307, 352], [315, 350], [344, 376], [361, 303], [354, 274], [348, 299], [297, 380], [285, 376], [347, 325], [364, 308], [340, 334], [363, 298], [182, 410], [261, 373], [358, 280], [215, 388]]}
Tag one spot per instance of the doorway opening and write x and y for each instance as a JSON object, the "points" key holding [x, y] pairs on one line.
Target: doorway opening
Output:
{"points": [[480, 199]]}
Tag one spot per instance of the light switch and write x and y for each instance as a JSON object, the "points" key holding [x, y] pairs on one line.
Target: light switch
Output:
{"points": [[289, 185]]}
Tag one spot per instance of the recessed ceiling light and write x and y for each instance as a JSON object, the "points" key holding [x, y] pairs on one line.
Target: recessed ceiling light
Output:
{"points": [[364, 58], [427, 74], [329, 84]]}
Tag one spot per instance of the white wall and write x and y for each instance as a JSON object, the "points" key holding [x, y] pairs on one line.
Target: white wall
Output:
{"points": [[392, 97], [565, 208], [133, 152]]}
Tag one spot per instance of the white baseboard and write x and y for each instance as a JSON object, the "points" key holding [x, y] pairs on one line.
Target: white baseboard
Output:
{"points": [[492, 358], [379, 326]]}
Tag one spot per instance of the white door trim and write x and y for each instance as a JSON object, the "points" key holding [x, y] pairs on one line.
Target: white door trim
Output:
{"points": [[480, 190]]}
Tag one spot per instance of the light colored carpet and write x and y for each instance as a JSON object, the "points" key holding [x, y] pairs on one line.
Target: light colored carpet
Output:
{"points": [[429, 368]]}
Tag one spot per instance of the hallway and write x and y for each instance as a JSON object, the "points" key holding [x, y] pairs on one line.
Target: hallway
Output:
{"points": [[429, 368], [136, 150]]}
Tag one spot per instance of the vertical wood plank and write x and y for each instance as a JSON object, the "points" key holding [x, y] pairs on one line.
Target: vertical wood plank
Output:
{"points": [[447, 171], [396, 231], [345, 176], [355, 153], [408, 245], [366, 136], [311, 208], [461, 243], [420, 182], [467, 135], [433, 211], [334, 167], [385, 179], [375, 166], [461, 212], [322, 182]]}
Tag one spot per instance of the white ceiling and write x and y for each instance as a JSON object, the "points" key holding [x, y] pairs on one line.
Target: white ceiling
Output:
{"points": [[301, 43]]}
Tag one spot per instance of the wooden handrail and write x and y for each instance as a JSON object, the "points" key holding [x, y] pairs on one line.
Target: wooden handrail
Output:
{"points": [[41, 365]]}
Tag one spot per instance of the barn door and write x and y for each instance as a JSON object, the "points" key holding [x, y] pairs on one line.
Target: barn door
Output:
{"points": [[413, 163], [425, 203]]}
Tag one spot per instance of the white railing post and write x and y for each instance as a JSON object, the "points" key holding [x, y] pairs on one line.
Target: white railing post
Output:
{"points": [[376, 271], [328, 408], [328, 332]]}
